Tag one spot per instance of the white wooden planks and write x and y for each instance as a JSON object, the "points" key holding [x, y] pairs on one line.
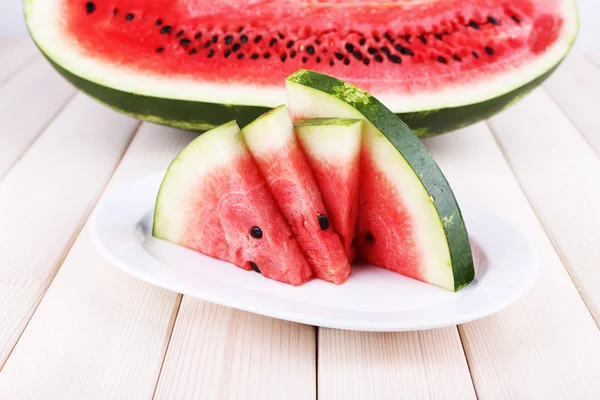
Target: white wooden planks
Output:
{"points": [[29, 100], [46, 198], [220, 353], [14, 53], [547, 345], [98, 332], [408, 365]]}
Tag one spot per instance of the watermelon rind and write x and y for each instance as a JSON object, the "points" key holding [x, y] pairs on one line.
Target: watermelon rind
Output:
{"points": [[404, 158]]}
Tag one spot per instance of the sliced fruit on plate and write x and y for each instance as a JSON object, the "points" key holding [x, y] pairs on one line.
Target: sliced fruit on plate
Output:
{"points": [[214, 200], [440, 64], [332, 148], [409, 220], [282, 163]]}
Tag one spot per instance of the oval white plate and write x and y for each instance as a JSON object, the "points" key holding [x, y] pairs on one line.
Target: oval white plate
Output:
{"points": [[373, 299]]}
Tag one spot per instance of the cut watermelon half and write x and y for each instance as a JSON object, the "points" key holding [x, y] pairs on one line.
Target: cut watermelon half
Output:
{"points": [[213, 200], [332, 147], [281, 161], [441, 64], [409, 220]]}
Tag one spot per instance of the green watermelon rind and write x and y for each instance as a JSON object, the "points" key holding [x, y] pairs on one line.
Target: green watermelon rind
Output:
{"points": [[417, 157]]}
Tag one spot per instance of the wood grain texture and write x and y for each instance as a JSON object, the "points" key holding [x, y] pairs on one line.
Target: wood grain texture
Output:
{"points": [[546, 346], [99, 333], [407, 365], [575, 87], [44, 201], [221, 353], [14, 54], [29, 100]]}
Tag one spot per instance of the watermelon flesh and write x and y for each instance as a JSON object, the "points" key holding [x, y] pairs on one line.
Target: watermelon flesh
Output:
{"points": [[282, 163], [332, 148], [213, 200]]}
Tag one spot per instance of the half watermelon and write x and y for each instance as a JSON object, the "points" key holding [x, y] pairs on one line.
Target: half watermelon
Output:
{"points": [[440, 64]]}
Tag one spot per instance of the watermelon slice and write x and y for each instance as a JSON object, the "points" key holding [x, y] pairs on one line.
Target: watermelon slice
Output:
{"points": [[441, 64], [281, 161], [332, 147], [409, 221], [214, 200]]}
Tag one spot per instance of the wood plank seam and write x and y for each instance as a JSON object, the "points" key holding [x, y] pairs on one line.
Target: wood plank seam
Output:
{"points": [[555, 245], [17, 70], [469, 367], [595, 60], [70, 242], [40, 132]]}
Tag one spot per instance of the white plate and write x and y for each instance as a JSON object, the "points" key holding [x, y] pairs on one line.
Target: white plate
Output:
{"points": [[373, 299]]}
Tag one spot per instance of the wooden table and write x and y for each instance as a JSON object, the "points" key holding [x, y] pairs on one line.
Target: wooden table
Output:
{"points": [[74, 327]]}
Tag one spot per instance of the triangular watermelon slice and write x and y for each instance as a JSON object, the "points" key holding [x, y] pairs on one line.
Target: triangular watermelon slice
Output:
{"points": [[332, 147], [214, 200], [281, 161], [409, 221]]}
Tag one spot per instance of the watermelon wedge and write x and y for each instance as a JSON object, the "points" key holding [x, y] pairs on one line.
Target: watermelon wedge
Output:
{"points": [[440, 64], [213, 200], [408, 218], [332, 148], [282, 163]]}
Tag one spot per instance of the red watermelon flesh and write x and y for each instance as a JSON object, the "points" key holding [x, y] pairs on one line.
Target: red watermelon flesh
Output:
{"points": [[332, 148], [213, 200], [282, 163], [386, 47]]}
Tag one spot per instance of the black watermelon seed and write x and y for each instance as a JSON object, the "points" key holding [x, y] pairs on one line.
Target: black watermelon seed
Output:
{"points": [[474, 24], [304, 59], [438, 36], [407, 38], [281, 35], [283, 57], [256, 232], [404, 50], [318, 59], [385, 51], [456, 57], [362, 41], [158, 22], [198, 35], [442, 60], [185, 42], [492, 20], [389, 38], [349, 47], [310, 50], [289, 44], [235, 47], [339, 55], [115, 11], [215, 38], [357, 54], [227, 53], [254, 56], [267, 56], [331, 63], [293, 54], [207, 45], [166, 29], [489, 50], [211, 53], [240, 29], [366, 61], [317, 41], [180, 33], [323, 222], [372, 50], [423, 39], [378, 58], [129, 17], [192, 52], [273, 42], [395, 59], [370, 238], [475, 54], [240, 56], [516, 19], [243, 38], [90, 7], [228, 40], [254, 267], [160, 49], [346, 61], [257, 39]]}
